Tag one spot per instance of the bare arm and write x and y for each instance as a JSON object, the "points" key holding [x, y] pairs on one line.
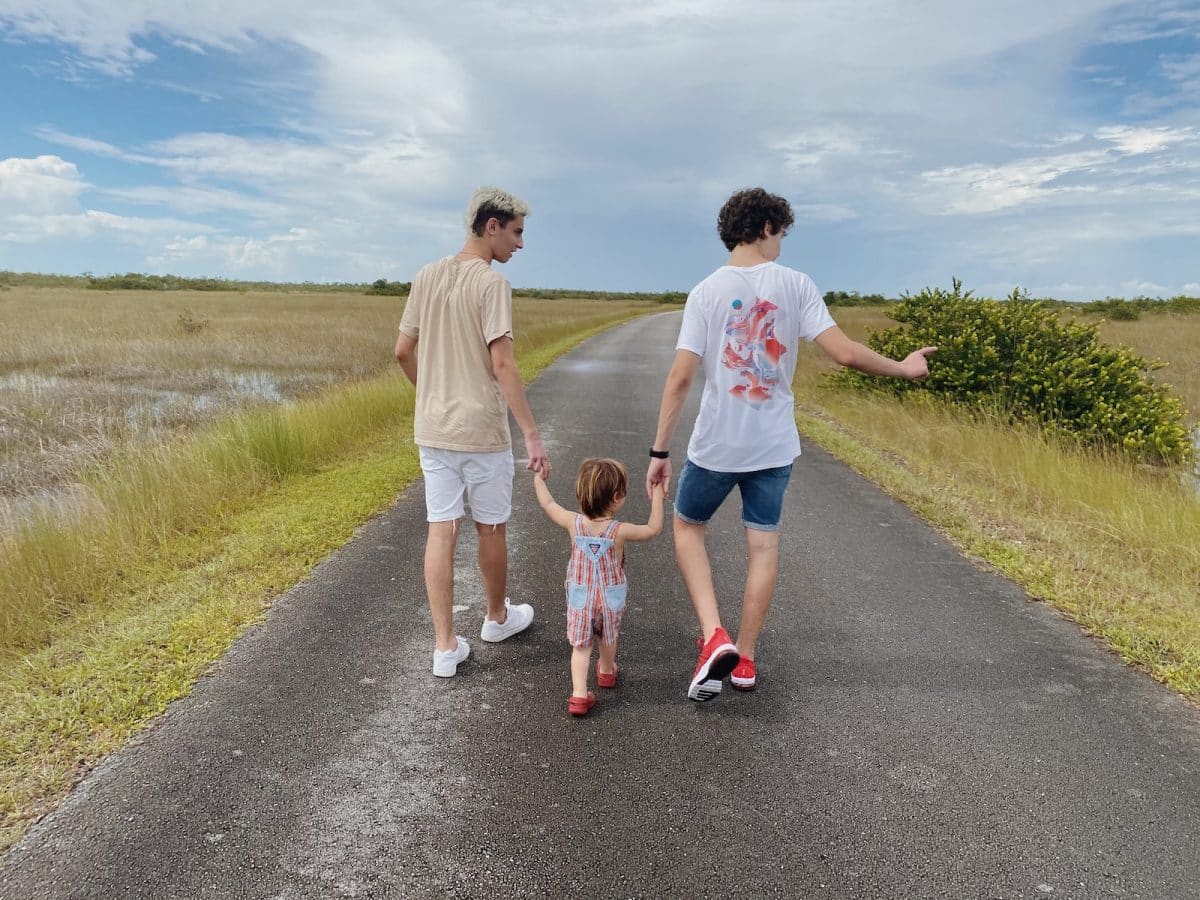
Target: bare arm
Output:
{"points": [[406, 355], [557, 514], [504, 365], [846, 352], [652, 528], [675, 392]]}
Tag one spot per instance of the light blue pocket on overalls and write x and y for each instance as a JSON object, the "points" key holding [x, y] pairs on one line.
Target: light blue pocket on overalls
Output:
{"points": [[614, 596], [576, 595]]}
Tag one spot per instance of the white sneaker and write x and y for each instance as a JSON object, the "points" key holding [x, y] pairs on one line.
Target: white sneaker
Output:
{"points": [[519, 618], [445, 662]]}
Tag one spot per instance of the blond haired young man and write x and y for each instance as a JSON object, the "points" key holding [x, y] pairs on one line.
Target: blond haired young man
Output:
{"points": [[456, 346]]}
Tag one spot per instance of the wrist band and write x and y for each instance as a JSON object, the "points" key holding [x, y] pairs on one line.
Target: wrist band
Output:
{"points": [[659, 454]]}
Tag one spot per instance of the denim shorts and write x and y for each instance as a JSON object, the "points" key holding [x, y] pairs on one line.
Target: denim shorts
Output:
{"points": [[701, 492]]}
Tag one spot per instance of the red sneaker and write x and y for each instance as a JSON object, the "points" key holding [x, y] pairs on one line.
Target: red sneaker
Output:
{"points": [[717, 659], [606, 679], [744, 676], [581, 706]]}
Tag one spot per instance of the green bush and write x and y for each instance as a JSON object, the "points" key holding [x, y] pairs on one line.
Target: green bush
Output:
{"points": [[1117, 309], [1018, 359], [1127, 310], [390, 288], [854, 298]]}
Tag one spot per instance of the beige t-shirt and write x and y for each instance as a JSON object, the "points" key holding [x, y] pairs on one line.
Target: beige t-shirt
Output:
{"points": [[455, 309]]}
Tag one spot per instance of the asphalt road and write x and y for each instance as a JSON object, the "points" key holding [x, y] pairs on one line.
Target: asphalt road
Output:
{"points": [[921, 729]]}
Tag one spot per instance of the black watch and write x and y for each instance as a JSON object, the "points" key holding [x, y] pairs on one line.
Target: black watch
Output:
{"points": [[659, 454]]}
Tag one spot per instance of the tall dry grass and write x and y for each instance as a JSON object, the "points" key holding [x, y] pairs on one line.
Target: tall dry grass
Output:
{"points": [[147, 490], [84, 373]]}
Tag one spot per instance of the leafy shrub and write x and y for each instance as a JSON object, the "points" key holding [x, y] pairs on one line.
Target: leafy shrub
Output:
{"points": [[1117, 309], [1017, 358]]}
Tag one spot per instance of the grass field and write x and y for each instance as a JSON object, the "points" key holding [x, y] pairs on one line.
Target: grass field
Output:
{"points": [[203, 494], [84, 373], [183, 531], [1113, 545]]}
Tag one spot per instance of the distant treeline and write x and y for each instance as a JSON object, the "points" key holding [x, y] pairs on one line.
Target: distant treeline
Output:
{"points": [[854, 298], [137, 281], [563, 294], [1110, 307]]}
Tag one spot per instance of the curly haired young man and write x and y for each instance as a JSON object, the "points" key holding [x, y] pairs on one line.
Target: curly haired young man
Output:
{"points": [[743, 323]]}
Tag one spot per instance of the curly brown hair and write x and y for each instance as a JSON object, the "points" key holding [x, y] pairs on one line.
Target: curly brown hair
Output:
{"points": [[745, 215]]}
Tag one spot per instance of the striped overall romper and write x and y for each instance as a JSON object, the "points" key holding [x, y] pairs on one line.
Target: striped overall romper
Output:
{"points": [[596, 587]]}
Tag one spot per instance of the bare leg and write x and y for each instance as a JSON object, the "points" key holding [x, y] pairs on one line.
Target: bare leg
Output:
{"points": [[608, 658], [581, 658], [692, 558], [493, 566], [762, 548], [439, 581]]}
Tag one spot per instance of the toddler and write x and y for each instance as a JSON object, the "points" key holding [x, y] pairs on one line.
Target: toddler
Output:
{"points": [[596, 587]]}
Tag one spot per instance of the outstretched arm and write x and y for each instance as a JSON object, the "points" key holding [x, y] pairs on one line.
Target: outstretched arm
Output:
{"points": [[652, 528], [557, 514], [504, 365], [679, 382], [844, 351]]}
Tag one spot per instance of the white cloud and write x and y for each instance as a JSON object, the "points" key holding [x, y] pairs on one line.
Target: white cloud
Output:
{"points": [[77, 142], [815, 147], [41, 185], [979, 188], [1143, 288], [388, 81], [985, 189], [1133, 141], [923, 126], [90, 223], [823, 212], [194, 200]]}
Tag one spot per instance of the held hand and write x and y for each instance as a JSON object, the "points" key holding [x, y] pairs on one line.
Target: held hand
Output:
{"points": [[916, 365], [658, 476], [539, 460]]}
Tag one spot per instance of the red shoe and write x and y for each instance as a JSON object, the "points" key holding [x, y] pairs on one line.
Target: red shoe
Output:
{"points": [[744, 676], [581, 706], [717, 659], [606, 679]]}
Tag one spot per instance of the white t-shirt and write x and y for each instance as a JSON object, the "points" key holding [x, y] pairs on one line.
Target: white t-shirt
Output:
{"points": [[746, 323]]}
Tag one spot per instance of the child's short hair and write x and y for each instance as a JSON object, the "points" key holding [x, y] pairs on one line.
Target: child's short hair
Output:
{"points": [[599, 483], [493, 203], [745, 215]]}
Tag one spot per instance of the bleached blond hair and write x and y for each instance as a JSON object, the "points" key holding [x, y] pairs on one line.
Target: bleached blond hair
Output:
{"points": [[491, 202]]}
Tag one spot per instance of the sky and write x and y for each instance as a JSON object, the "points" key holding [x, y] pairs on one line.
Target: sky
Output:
{"points": [[1053, 147]]}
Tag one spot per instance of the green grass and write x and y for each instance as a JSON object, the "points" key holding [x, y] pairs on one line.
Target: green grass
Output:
{"points": [[183, 546], [1114, 546]]}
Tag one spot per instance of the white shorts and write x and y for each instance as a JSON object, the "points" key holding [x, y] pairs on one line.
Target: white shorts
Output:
{"points": [[485, 478]]}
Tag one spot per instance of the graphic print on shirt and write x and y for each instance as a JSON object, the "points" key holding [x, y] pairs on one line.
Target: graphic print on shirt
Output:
{"points": [[752, 350]]}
